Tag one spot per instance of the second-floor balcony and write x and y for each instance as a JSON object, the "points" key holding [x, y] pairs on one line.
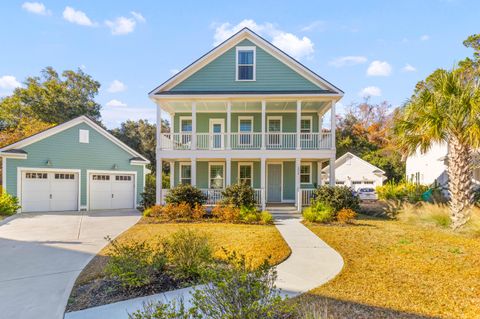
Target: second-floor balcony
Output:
{"points": [[246, 141]]}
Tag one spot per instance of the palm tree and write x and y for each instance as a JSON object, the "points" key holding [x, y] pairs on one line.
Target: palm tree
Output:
{"points": [[445, 108]]}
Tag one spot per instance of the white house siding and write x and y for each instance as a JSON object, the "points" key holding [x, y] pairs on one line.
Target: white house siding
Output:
{"points": [[429, 167]]}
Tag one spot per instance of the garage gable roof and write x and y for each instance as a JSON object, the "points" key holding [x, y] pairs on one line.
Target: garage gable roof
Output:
{"points": [[342, 159], [16, 147]]}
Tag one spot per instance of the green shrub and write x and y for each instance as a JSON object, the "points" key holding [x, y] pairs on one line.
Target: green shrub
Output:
{"points": [[239, 195], [346, 215], [337, 197], [318, 212], [134, 264], [149, 195], [266, 218], [403, 191], [8, 204], [189, 254], [185, 193]]}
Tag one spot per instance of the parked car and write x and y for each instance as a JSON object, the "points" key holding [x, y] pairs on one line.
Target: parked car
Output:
{"points": [[367, 193]]}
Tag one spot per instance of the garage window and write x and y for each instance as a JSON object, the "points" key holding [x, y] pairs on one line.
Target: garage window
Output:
{"points": [[101, 177], [368, 182], [356, 182], [64, 176], [36, 175], [123, 178]]}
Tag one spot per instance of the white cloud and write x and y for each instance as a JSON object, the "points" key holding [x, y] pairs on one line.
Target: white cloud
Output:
{"points": [[348, 60], [116, 86], [9, 82], [370, 91], [121, 25], [174, 71], [77, 17], [315, 25], [138, 16], [290, 43], [36, 8], [116, 103], [409, 68], [379, 68], [425, 37]]}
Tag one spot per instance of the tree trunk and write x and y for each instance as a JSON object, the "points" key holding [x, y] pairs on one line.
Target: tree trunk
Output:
{"points": [[460, 184]]}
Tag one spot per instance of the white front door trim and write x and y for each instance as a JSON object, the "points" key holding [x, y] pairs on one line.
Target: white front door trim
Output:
{"points": [[112, 172]]}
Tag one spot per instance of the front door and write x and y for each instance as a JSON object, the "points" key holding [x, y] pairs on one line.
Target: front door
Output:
{"points": [[216, 133], [274, 194]]}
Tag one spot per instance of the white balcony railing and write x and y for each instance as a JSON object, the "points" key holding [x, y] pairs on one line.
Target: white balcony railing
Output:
{"points": [[246, 141], [306, 195], [214, 196]]}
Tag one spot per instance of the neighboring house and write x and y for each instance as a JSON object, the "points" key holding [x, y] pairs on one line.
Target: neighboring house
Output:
{"points": [[430, 168], [72, 166], [247, 112], [354, 172]]}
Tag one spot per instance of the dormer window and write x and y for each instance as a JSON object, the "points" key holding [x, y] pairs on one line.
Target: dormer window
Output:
{"points": [[246, 63]]}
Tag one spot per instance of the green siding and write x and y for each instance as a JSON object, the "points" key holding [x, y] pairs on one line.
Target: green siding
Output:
{"points": [[219, 75], [64, 151], [202, 174]]}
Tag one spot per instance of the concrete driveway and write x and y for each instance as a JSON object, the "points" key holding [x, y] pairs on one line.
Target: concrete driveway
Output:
{"points": [[42, 254]]}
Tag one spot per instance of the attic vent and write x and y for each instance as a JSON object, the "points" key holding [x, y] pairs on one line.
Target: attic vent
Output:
{"points": [[84, 136]]}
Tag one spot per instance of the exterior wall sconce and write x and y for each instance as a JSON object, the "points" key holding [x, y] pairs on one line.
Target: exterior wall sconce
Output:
{"points": [[115, 166], [49, 163]]}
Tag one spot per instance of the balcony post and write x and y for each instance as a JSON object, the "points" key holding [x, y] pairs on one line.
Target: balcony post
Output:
{"points": [[263, 177], [298, 197], [229, 125], [228, 172], [172, 174], [332, 124], [193, 171], [299, 118], [159, 126], [194, 125], [264, 110], [158, 190], [331, 172]]}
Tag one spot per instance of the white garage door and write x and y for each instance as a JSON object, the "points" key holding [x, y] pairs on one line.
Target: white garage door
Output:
{"points": [[49, 191], [111, 191]]}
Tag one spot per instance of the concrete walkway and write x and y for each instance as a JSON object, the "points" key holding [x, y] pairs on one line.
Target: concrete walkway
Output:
{"points": [[311, 264], [42, 254]]}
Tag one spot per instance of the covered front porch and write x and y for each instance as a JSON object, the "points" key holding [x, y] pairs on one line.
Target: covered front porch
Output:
{"points": [[286, 181]]}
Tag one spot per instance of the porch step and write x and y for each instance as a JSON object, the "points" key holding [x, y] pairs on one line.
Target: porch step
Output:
{"points": [[282, 208]]}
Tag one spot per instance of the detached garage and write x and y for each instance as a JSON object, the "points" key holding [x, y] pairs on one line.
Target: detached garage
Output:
{"points": [[74, 166]]}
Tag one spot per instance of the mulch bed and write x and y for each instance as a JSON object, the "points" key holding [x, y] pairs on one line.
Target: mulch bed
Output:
{"points": [[103, 291]]}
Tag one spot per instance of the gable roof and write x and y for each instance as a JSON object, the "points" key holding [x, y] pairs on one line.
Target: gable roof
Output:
{"points": [[16, 147], [339, 161], [325, 87]]}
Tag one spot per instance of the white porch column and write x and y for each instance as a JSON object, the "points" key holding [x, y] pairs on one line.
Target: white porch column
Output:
{"points": [[229, 125], [319, 173], [158, 190], [193, 171], [332, 123], [263, 178], [159, 126], [264, 111], [172, 174], [172, 124], [331, 171], [298, 197], [228, 172], [299, 118], [194, 125]]}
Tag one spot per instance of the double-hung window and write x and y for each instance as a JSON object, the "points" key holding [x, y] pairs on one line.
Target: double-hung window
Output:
{"points": [[216, 180], [185, 173], [185, 130], [245, 126], [306, 173], [245, 64], [245, 173]]}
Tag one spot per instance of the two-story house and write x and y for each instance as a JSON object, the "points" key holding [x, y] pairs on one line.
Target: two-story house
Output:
{"points": [[247, 112]]}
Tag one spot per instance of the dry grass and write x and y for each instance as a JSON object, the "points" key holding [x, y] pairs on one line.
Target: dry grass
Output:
{"points": [[394, 269], [256, 242]]}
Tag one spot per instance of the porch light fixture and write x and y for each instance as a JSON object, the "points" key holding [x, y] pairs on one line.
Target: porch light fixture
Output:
{"points": [[115, 166], [49, 163]]}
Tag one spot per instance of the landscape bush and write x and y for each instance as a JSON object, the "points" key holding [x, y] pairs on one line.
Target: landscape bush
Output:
{"points": [[318, 212], [185, 193], [239, 195], [403, 191], [134, 264], [337, 197], [189, 254], [149, 196], [226, 213], [178, 212], [346, 215], [8, 204], [244, 214]]}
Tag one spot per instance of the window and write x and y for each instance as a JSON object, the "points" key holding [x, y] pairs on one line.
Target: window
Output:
{"points": [[216, 176], [186, 130], [305, 127], [64, 176], [245, 127], [84, 136], [306, 173], [123, 177], [368, 182], [185, 173], [340, 182], [245, 63], [36, 175], [101, 177], [356, 182], [245, 173]]}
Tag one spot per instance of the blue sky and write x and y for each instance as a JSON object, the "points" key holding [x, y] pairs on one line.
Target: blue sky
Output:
{"points": [[376, 48]]}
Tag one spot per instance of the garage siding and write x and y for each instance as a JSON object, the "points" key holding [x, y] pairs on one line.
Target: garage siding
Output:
{"points": [[64, 151]]}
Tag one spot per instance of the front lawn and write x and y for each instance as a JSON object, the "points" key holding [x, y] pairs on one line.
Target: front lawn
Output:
{"points": [[257, 242], [398, 270]]}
